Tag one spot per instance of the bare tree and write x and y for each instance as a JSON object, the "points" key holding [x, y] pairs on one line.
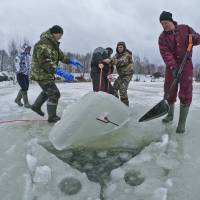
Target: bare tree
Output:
{"points": [[4, 60], [197, 72], [13, 51]]}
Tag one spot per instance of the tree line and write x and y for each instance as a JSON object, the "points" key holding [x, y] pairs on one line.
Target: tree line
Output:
{"points": [[141, 66]]}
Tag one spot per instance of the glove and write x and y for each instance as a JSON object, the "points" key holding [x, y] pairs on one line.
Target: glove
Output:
{"points": [[64, 74], [175, 72], [194, 38], [101, 66], [76, 63]]}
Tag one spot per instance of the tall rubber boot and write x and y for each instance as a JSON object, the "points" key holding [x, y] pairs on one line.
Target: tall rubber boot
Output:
{"points": [[25, 99], [125, 101], [182, 118], [36, 107], [18, 99], [51, 109], [170, 115]]}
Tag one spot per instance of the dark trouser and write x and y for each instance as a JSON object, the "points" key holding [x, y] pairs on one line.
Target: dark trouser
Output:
{"points": [[51, 90], [121, 86], [105, 85], [185, 85], [23, 81]]}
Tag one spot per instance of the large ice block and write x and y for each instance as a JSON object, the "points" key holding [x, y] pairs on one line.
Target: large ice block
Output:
{"points": [[93, 116]]}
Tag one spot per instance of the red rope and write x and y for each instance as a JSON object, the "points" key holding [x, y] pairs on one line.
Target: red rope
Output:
{"points": [[20, 120]]}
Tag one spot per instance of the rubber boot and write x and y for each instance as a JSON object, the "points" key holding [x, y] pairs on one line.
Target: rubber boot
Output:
{"points": [[170, 115], [36, 107], [125, 101], [18, 99], [51, 109], [182, 118], [25, 99]]}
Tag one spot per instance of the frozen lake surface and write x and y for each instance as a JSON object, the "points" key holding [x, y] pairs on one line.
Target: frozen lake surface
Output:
{"points": [[144, 161]]}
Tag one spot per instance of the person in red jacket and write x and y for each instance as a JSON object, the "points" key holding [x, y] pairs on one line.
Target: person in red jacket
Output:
{"points": [[173, 43]]}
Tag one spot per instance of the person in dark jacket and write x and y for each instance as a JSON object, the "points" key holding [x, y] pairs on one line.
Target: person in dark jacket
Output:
{"points": [[22, 65], [173, 43], [100, 70]]}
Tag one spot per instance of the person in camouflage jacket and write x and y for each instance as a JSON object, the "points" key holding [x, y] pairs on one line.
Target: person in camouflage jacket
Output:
{"points": [[45, 59], [124, 65]]}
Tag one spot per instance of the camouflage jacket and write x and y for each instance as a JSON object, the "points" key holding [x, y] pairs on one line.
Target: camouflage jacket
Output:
{"points": [[46, 56], [123, 63]]}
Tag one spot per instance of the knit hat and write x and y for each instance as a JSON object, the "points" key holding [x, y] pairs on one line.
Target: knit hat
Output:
{"points": [[110, 50], [167, 16], [56, 29]]}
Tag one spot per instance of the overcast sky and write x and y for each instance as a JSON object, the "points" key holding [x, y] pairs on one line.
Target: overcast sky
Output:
{"points": [[88, 24]]}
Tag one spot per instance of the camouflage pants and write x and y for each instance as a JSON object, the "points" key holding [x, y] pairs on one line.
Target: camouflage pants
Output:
{"points": [[51, 91], [121, 86]]}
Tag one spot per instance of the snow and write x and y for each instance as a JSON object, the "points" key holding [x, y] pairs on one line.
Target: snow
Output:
{"points": [[31, 162], [166, 165], [42, 174]]}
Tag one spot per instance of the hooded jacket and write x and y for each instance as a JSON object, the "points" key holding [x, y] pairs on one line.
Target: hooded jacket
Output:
{"points": [[46, 57], [22, 62]]}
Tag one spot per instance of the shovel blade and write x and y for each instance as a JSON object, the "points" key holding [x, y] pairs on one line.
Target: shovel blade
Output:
{"points": [[158, 110]]}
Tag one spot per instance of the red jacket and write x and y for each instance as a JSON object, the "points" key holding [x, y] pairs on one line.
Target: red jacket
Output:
{"points": [[173, 44]]}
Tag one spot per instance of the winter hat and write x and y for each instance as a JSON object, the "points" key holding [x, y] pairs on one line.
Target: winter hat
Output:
{"points": [[110, 50], [167, 16], [25, 47], [56, 29], [125, 49], [121, 44]]}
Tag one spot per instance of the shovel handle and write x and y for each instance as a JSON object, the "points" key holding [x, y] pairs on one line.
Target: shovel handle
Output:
{"points": [[100, 79], [190, 43]]}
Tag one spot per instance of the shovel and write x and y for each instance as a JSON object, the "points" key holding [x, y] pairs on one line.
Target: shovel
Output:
{"points": [[162, 107]]}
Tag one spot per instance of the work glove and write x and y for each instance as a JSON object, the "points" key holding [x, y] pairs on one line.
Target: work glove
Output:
{"points": [[175, 72], [75, 62], [64, 74], [101, 66]]}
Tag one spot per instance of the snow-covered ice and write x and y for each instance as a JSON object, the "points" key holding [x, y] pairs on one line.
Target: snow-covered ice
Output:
{"points": [[166, 166]]}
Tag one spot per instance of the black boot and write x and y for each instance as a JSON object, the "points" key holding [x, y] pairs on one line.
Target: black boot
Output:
{"points": [[25, 99], [182, 118], [36, 107], [170, 115], [51, 109], [18, 99]]}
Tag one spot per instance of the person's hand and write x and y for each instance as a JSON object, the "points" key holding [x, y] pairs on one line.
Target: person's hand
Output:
{"points": [[75, 62], [175, 72], [101, 66], [107, 60], [64, 74]]}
